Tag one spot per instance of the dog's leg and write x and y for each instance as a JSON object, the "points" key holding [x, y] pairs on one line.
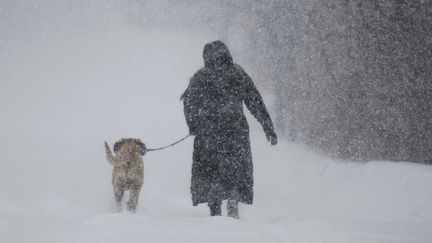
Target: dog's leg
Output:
{"points": [[118, 194], [133, 198]]}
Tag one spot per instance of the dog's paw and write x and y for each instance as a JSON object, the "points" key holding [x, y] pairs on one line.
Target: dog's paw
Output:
{"points": [[131, 207]]}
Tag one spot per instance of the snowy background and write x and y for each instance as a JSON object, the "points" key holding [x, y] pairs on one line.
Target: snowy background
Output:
{"points": [[74, 75]]}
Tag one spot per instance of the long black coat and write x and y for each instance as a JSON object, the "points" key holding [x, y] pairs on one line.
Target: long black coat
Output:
{"points": [[213, 106]]}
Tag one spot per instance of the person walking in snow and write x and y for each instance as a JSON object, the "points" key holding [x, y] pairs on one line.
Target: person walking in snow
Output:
{"points": [[213, 107]]}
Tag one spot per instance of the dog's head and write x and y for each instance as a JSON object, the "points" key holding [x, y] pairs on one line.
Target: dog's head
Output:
{"points": [[132, 144]]}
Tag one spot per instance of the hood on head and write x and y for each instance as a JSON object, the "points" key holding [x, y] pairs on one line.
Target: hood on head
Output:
{"points": [[216, 55]]}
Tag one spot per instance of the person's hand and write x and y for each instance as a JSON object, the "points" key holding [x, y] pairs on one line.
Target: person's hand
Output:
{"points": [[192, 131], [272, 138]]}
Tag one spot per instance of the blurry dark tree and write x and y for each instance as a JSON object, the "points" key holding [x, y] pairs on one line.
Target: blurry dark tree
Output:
{"points": [[355, 77]]}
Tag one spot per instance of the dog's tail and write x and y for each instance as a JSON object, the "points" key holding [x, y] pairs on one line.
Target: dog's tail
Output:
{"points": [[110, 157]]}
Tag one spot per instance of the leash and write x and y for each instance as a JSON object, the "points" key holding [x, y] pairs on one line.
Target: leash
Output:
{"points": [[161, 148]]}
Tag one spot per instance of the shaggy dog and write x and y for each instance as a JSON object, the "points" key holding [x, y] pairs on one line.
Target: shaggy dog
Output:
{"points": [[128, 170]]}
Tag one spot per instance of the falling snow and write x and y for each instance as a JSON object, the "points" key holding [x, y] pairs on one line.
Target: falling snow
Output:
{"points": [[334, 82]]}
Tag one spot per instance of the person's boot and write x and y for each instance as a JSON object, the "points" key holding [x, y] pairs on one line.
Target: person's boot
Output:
{"points": [[215, 208], [233, 211]]}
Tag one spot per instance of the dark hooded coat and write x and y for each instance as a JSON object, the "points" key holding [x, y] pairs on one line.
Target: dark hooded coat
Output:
{"points": [[213, 106]]}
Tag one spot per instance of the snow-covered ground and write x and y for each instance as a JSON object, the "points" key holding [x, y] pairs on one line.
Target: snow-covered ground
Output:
{"points": [[61, 99]]}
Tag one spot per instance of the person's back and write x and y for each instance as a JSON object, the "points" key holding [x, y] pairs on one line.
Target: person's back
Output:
{"points": [[219, 94]]}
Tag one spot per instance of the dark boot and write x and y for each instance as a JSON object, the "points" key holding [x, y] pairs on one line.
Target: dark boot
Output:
{"points": [[215, 208], [233, 211]]}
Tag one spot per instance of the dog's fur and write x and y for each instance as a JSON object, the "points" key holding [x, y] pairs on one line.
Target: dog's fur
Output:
{"points": [[128, 170]]}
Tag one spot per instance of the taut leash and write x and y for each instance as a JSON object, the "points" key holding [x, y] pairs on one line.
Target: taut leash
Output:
{"points": [[161, 148]]}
